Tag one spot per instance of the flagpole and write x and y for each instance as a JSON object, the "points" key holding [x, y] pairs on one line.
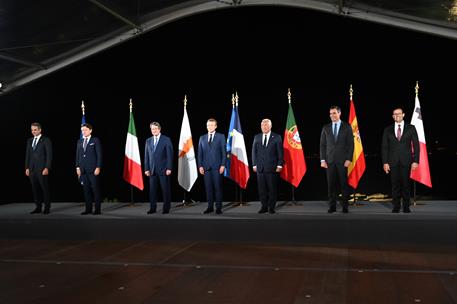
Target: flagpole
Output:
{"points": [[351, 93], [184, 200], [416, 89], [131, 186], [289, 98]]}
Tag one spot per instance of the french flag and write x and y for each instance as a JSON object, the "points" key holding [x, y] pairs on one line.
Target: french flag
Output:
{"points": [[422, 173], [237, 166]]}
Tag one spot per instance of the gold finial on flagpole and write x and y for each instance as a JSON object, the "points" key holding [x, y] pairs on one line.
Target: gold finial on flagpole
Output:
{"points": [[130, 105], [185, 100], [236, 98], [83, 107], [233, 100], [417, 88], [351, 91], [289, 95]]}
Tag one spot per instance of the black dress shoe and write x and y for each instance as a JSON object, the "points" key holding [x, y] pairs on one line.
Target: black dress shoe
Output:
{"points": [[218, 211], [208, 211], [345, 210], [86, 212], [331, 210], [271, 211], [97, 212], [263, 210], [165, 211], [406, 210], [151, 211], [46, 211], [37, 210]]}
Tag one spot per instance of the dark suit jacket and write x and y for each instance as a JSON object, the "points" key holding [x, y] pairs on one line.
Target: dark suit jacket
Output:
{"points": [[41, 157], [90, 159], [266, 159], [212, 156], [340, 150], [160, 160], [396, 152]]}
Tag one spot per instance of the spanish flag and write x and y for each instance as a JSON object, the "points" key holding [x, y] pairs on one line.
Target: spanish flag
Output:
{"points": [[357, 167]]}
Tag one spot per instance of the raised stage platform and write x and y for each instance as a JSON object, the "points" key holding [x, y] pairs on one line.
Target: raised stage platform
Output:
{"points": [[301, 254], [305, 222]]}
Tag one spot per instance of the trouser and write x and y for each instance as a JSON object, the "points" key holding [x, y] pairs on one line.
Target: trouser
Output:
{"points": [[268, 189], [40, 189], [399, 177], [213, 187], [337, 179], [164, 181], [91, 188]]}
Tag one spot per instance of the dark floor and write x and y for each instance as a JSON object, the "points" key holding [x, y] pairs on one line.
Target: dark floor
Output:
{"points": [[300, 255], [37, 271]]}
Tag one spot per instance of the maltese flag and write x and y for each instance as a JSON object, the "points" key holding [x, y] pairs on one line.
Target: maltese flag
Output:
{"points": [[422, 173]]}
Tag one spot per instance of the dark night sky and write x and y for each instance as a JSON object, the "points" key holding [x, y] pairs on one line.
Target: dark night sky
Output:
{"points": [[260, 52]]}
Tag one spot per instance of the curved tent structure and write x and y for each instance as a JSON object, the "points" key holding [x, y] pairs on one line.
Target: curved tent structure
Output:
{"points": [[40, 37]]}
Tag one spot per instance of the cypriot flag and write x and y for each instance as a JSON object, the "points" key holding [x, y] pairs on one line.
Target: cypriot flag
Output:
{"points": [[187, 165]]}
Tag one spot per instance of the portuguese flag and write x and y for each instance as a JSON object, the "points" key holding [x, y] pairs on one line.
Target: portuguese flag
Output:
{"points": [[294, 159]]}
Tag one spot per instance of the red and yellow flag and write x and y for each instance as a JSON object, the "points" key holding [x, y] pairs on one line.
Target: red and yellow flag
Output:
{"points": [[357, 167]]}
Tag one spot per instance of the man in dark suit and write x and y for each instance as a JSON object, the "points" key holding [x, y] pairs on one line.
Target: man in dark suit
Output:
{"points": [[267, 162], [399, 158], [38, 158], [336, 151], [211, 164], [88, 165], [158, 163]]}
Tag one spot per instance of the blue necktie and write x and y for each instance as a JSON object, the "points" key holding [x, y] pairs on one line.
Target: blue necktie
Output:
{"points": [[155, 144], [34, 143], [85, 144], [334, 131]]}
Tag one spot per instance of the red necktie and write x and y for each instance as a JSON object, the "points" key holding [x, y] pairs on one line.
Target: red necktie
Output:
{"points": [[399, 133]]}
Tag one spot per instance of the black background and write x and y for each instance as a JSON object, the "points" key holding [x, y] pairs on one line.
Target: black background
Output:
{"points": [[259, 52]]}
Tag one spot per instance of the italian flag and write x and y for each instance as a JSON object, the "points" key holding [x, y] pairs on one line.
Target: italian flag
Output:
{"points": [[132, 161]]}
